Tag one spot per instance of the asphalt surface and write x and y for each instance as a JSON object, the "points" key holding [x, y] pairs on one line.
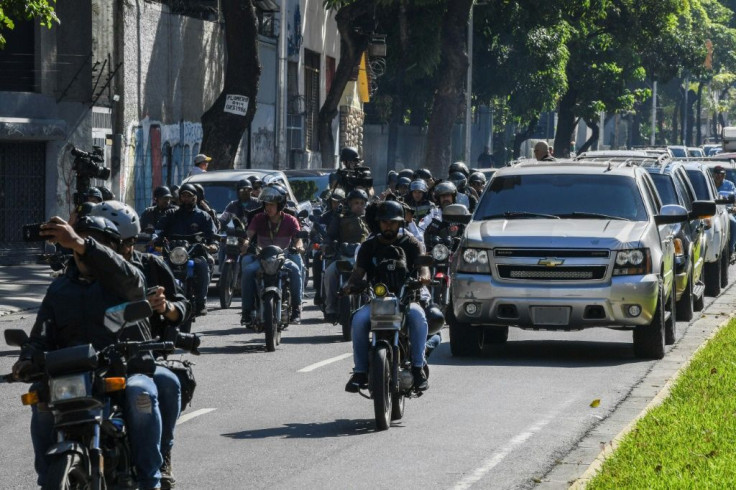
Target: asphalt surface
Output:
{"points": [[518, 417]]}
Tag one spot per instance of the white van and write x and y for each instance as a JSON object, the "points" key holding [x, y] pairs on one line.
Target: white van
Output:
{"points": [[729, 138]]}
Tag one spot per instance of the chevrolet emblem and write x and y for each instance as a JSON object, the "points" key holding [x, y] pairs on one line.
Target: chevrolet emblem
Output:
{"points": [[551, 261]]}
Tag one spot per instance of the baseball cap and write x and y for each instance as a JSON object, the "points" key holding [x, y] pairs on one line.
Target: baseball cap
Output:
{"points": [[201, 158], [719, 170]]}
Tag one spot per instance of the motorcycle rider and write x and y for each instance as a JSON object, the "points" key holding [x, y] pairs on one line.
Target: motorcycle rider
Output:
{"points": [[73, 313], [238, 208], [349, 227], [477, 181], [205, 206], [351, 174], [727, 187], [418, 199], [464, 196], [190, 220], [257, 186], [162, 204], [402, 187], [273, 226], [334, 203], [390, 216], [170, 308]]}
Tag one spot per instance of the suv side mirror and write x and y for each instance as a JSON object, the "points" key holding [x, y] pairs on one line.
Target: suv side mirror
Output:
{"points": [[703, 209], [670, 214]]}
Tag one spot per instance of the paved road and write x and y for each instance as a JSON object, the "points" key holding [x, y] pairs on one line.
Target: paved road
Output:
{"points": [[282, 419]]}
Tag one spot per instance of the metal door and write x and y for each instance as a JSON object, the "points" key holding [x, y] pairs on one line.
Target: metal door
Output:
{"points": [[22, 198]]}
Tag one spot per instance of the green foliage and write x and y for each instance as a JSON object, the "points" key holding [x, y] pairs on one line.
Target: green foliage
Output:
{"points": [[14, 10], [304, 190]]}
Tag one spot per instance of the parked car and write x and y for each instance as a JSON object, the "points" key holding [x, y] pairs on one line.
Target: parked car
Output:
{"points": [[678, 151], [717, 229], [308, 185], [567, 245], [695, 152], [674, 187]]}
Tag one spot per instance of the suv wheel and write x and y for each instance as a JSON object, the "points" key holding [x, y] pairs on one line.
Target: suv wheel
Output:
{"points": [[712, 278], [649, 339], [464, 339], [670, 325], [725, 263], [686, 304], [494, 335]]}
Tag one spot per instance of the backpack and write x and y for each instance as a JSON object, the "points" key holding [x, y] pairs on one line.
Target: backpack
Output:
{"points": [[390, 265]]}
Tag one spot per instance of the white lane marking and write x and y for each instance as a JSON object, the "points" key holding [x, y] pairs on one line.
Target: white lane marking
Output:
{"points": [[318, 365], [499, 455], [196, 413]]}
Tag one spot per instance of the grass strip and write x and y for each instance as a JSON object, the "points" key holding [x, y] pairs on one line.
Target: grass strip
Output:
{"points": [[689, 441]]}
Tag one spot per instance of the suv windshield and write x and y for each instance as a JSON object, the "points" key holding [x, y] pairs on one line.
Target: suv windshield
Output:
{"points": [[583, 196], [699, 184], [666, 188], [219, 195]]}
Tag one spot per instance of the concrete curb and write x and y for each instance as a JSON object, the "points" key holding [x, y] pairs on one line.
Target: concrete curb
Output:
{"points": [[579, 466]]}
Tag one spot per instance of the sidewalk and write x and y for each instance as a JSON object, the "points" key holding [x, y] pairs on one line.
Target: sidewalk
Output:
{"points": [[22, 287]]}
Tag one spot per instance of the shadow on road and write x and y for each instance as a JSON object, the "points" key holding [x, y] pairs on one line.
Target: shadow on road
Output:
{"points": [[544, 353], [249, 348], [338, 428], [235, 330], [311, 339]]}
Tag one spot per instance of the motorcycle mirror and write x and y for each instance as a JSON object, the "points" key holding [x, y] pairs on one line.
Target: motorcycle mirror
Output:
{"points": [[117, 316], [303, 234], [316, 212], [424, 261], [303, 214], [16, 337]]}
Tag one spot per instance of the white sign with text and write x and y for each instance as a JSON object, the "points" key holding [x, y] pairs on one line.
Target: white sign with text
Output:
{"points": [[236, 104]]}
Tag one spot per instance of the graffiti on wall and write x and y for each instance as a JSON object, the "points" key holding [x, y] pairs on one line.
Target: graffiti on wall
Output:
{"points": [[157, 154]]}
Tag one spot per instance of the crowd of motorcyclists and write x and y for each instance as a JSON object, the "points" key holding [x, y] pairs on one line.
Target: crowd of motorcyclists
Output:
{"points": [[107, 268]]}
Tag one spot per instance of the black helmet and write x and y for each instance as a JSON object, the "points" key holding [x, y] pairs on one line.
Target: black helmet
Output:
{"points": [[161, 191], [99, 224], [403, 181], [435, 319], [257, 183], [477, 177], [418, 185], [407, 172], [392, 177], [245, 184], [107, 194], [458, 179], [349, 154], [200, 191], [358, 194], [94, 192], [390, 211], [337, 194], [273, 194], [423, 174], [188, 188], [459, 167], [445, 188]]}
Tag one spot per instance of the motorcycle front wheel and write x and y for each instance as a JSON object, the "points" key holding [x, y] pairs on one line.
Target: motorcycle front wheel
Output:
{"points": [[225, 285], [381, 387], [270, 326], [67, 472]]}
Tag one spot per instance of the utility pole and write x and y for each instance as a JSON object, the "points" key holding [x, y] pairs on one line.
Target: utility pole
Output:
{"points": [[469, 88], [281, 96], [652, 138]]}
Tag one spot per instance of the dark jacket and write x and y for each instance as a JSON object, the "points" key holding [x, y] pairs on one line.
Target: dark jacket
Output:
{"points": [[183, 222], [152, 215], [348, 228], [157, 273], [73, 310]]}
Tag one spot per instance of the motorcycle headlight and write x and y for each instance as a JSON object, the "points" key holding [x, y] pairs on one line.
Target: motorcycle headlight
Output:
{"points": [[271, 265], [69, 387], [231, 240], [178, 256], [440, 252]]}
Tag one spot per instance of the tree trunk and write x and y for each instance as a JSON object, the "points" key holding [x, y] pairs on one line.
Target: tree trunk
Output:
{"points": [[698, 118], [449, 95], [593, 136], [397, 104], [223, 131], [636, 140], [355, 24], [565, 124], [520, 138], [675, 123]]}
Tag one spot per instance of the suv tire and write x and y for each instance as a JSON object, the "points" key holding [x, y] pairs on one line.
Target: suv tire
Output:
{"points": [[670, 325], [686, 304], [649, 339], [725, 263], [465, 340], [494, 335], [712, 278]]}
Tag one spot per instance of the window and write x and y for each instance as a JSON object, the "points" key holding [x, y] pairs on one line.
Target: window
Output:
{"points": [[311, 94], [16, 60]]}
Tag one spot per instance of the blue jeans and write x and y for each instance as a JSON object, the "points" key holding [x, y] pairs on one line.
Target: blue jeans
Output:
{"points": [[249, 266], [169, 403], [202, 276], [361, 325], [143, 419], [732, 231]]}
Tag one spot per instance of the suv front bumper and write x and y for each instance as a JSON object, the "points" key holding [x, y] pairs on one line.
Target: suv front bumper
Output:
{"points": [[554, 306]]}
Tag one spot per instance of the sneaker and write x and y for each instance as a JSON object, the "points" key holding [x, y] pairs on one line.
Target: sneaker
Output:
{"points": [[167, 477], [357, 382], [296, 315], [202, 311], [420, 379], [331, 317]]}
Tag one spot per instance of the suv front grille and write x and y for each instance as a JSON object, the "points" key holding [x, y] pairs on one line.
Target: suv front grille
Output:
{"points": [[584, 273], [529, 252]]}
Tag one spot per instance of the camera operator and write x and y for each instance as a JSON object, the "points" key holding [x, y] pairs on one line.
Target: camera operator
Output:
{"points": [[186, 221], [170, 308], [353, 174], [86, 166]]}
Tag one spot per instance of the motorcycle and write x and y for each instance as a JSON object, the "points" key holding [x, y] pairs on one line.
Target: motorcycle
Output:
{"points": [[179, 252], [229, 281], [83, 389], [390, 381], [272, 296], [346, 303]]}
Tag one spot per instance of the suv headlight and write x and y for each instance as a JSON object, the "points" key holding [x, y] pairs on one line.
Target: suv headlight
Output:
{"points": [[474, 260], [178, 256], [634, 262]]}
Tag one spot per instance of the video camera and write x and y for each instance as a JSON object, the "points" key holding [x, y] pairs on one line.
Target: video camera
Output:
{"points": [[87, 167]]}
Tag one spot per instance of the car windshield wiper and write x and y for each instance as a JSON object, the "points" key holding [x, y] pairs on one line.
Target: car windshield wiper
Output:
{"points": [[582, 214], [519, 214]]}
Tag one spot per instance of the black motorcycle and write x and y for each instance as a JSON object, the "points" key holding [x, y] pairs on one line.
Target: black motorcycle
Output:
{"points": [[179, 252], [346, 303], [229, 282], [79, 384], [390, 381]]}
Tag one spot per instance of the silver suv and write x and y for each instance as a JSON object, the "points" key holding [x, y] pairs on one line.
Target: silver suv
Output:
{"points": [[566, 246]]}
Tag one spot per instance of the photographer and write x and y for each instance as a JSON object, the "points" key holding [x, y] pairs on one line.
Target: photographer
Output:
{"points": [[353, 175], [170, 308]]}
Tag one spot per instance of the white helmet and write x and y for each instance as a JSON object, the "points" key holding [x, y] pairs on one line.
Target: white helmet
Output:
{"points": [[124, 217]]}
